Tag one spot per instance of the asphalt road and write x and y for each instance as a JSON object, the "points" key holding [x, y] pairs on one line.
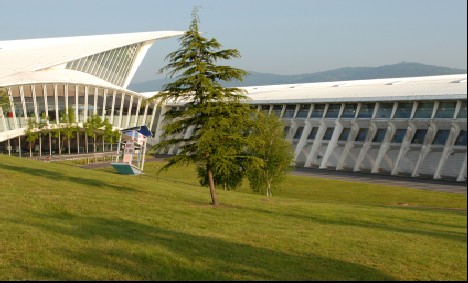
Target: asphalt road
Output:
{"points": [[416, 183]]}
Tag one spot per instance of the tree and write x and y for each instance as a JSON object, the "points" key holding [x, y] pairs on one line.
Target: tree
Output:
{"points": [[208, 107], [31, 132], [68, 126], [275, 151], [93, 127]]}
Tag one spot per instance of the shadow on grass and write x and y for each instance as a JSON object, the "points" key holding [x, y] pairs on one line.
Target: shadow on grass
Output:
{"points": [[117, 249], [52, 175], [409, 228]]}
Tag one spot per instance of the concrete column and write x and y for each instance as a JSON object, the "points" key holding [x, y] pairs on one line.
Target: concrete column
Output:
{"points": [[426, 148], [112, 108], [119, 125], [57, 115], [332, 143], [349, 145], [316, 144], [85, 105], [367, 144], [448, 149], [302, 141], [129, 114], [36, 112], [384, 147], [23, 102], [462, 175], [404, 146]]}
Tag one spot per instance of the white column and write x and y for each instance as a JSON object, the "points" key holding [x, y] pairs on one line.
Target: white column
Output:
{"points": [[384, 146], [365, 147], [23, 102], [317, 142], [85, 106], [129, 114], [36, 111], [112, 107], [404, 146], [104, 98], [462, 174], [46, 104], [448, 149], [95, 104], [303, 139], [332, 143], [137, 111], [56, 104], [121, 110], [425, 149], [349, 145]]}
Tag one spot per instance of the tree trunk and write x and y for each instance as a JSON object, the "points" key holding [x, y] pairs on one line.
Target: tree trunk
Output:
{"points": [[40, 144], [214, 198], [69, 146]]}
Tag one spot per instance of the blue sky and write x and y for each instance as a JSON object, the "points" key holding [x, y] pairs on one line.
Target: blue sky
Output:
{"points": [[273, 36]]}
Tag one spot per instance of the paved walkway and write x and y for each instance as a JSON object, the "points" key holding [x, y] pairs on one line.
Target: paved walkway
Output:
{"points": [[408, 182], [417, 183]]}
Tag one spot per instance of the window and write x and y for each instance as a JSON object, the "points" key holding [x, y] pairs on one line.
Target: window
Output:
{"points": [[277, 109], [384, 110], [289, 111], [312, 133], [424, 110], [265, 108], [441, 137], [361, 135], [404, 110], [399, 135], [344, 134], [286, 130], [419, 136], [462, 112], [446, 109], [303, 111], [461, 139], [379, 135], [367, 109], [298, 133], [349, 111], [328, 134], [333, 111], [318, 110]]}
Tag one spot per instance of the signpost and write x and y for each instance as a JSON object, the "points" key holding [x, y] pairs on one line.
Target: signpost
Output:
{"points": [[134, 143]]}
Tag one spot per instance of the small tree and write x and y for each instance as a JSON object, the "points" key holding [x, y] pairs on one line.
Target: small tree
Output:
{"points": [[93, 127], [69, 127], [31, 132], [275, 151], [208, 107]]}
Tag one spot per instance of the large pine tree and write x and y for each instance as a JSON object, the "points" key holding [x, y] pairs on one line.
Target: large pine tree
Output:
{"points": [[216, 117]]}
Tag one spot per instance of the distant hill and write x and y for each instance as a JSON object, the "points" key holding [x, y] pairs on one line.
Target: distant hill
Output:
{"points": [[400, 70]]}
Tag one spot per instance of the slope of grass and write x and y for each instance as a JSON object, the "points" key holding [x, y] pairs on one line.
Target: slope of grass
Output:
{"points": [[61, 222]]}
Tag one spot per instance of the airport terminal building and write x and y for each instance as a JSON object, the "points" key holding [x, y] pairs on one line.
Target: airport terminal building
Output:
{"points": [[413, 127]]}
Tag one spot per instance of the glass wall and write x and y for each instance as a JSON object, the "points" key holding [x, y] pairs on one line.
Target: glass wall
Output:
{"points": [[361, 135], [399, 136], [462, 111], [333, 111], [441, 137], [384, 110], [424, 110], [366, 110], [349, 111], [446, 109], [379, 135], [404, 110], [303, 111], [419, 136], [318, 110], [344, 134], [313, 133], [289, 111]]}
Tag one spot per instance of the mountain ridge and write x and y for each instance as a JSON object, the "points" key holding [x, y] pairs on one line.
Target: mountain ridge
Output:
{"points": [[399, 70]]}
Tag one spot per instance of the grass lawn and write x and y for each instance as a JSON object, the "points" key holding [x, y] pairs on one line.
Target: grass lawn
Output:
{"points": [[62, 222]]}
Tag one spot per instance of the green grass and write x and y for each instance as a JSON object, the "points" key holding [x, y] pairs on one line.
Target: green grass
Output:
{"points": [[62, 222]]}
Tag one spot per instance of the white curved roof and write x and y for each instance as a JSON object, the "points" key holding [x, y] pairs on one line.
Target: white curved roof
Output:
{"points": [[17, 56], [413, 88]]}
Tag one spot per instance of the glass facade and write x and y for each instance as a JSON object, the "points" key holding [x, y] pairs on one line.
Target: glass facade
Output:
{"points": [[112, 66], [313, 133], [298, 133], [424, 110], [318, 110], [361, 135], [404, 110], [333, 111], [366, 110], [344, 134], [303, 111], [328, 134], [446, 109], [441, 137], [418, 137], [384, 110], [379, 135], [349, 111]]}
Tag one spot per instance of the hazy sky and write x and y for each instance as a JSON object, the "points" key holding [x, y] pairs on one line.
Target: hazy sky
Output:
{"points": [[273, 36]]}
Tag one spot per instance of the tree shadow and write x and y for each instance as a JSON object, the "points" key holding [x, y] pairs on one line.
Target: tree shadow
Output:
{"points": [[129, 250], [354, 222], [53, 175]]}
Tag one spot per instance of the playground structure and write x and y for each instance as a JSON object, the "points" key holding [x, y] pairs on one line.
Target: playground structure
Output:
{"points": [[134, 149]]}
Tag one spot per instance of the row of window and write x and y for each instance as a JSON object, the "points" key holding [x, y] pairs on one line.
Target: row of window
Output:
{"points": [[440, 137], [404, 110]]}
